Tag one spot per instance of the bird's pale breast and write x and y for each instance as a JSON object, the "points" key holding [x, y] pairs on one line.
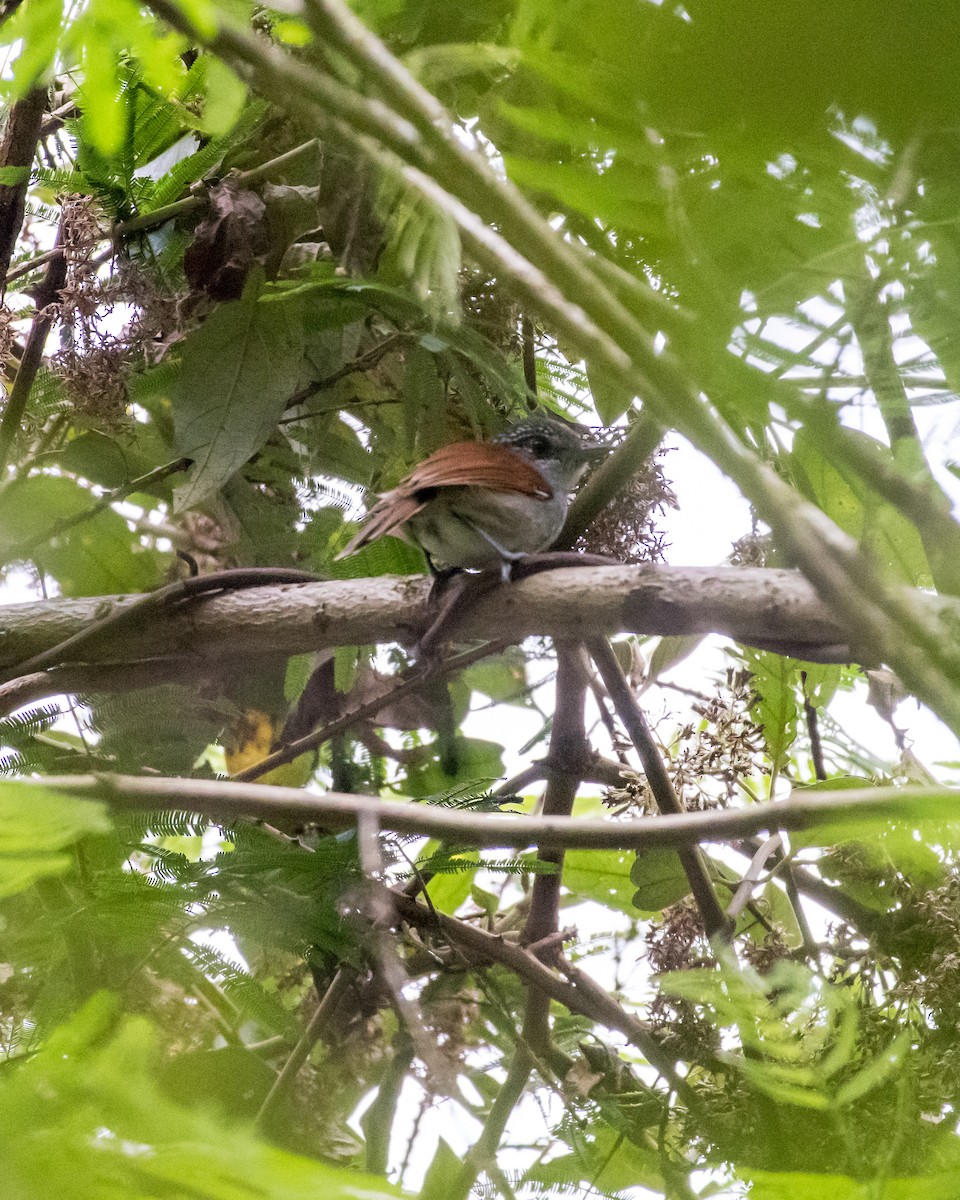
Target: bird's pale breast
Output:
{"points": [[448, 528]]}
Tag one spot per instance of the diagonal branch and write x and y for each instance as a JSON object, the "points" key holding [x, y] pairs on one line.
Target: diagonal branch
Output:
{"points": [[17, 150], [631, 715], [414, 682], [142, 483], [46, 295]]}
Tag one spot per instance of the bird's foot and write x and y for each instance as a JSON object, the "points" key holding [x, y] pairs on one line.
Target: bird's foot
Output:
{"points": [[456, 592], [551, 560]]}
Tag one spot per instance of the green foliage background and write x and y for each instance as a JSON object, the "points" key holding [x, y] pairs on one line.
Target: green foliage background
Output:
{"points": [[288, 265]]}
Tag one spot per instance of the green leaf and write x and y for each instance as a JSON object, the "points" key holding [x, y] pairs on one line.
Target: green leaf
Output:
{"points": [[889, 536], [99, 555], [444, 1167], [102, 459], [502, 677], [37, 826], [226, 95], [659, 879], [608, 1161], [489, 902], [238, 371], [292, 33], [875, 1072], [604, 876], [476, 760], [583, 187], [448, 890], [611, 398], [93, 1092], [774, 708], [781, 912], [102, 97], [37, 28], [385, 556], [299, 669], [789, 1185], [438, 64], [875, 858], [669, 652]]}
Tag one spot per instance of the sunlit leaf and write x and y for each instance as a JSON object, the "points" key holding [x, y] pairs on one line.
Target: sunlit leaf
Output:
{"points": [[37, 827]]}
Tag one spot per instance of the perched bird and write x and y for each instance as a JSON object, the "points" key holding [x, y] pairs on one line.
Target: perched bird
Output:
{"points": [[481, 505]]}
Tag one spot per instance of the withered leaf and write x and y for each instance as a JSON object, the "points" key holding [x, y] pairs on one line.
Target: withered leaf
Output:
{"points": [[227, 242]]}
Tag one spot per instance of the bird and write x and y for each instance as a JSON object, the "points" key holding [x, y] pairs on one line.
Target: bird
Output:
{"points": [[484, 505]]}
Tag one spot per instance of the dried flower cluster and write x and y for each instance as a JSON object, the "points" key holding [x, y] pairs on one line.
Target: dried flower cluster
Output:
{"points": [[933, 938], [715, 755], [97, 353], [628, 529], [678, 943]]}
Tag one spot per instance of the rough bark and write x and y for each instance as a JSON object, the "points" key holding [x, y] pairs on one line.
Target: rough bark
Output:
{"points": [[770, 608], [17, 149]]}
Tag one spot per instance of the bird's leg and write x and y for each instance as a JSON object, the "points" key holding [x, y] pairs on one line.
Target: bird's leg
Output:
{"points": [[452, 595]]}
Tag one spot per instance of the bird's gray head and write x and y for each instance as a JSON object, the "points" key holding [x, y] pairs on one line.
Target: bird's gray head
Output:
{"points": [[557, 451]]}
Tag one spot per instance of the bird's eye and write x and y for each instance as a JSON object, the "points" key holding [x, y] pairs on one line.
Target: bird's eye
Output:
{"points": [[537, 446]]}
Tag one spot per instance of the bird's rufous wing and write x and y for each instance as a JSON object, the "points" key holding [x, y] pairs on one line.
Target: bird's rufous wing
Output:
{"points": [[477, 464], [461, 464]]}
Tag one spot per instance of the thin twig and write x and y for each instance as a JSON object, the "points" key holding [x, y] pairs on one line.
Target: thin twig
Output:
{"points": [[635, 723], [414, 681], [338, 988], [813, 731], [529, 348], [751, 876], [363, 362], [224, 800], [143, 482], [484, 1150]]}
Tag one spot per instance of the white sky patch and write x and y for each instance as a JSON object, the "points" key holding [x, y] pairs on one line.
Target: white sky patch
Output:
{"points": [[221, 941]]}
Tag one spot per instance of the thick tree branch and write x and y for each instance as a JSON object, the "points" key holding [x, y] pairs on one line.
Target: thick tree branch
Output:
{"points": [[334, 811], [112, 619], [17, 150], [766, 607], [569, 749]]}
